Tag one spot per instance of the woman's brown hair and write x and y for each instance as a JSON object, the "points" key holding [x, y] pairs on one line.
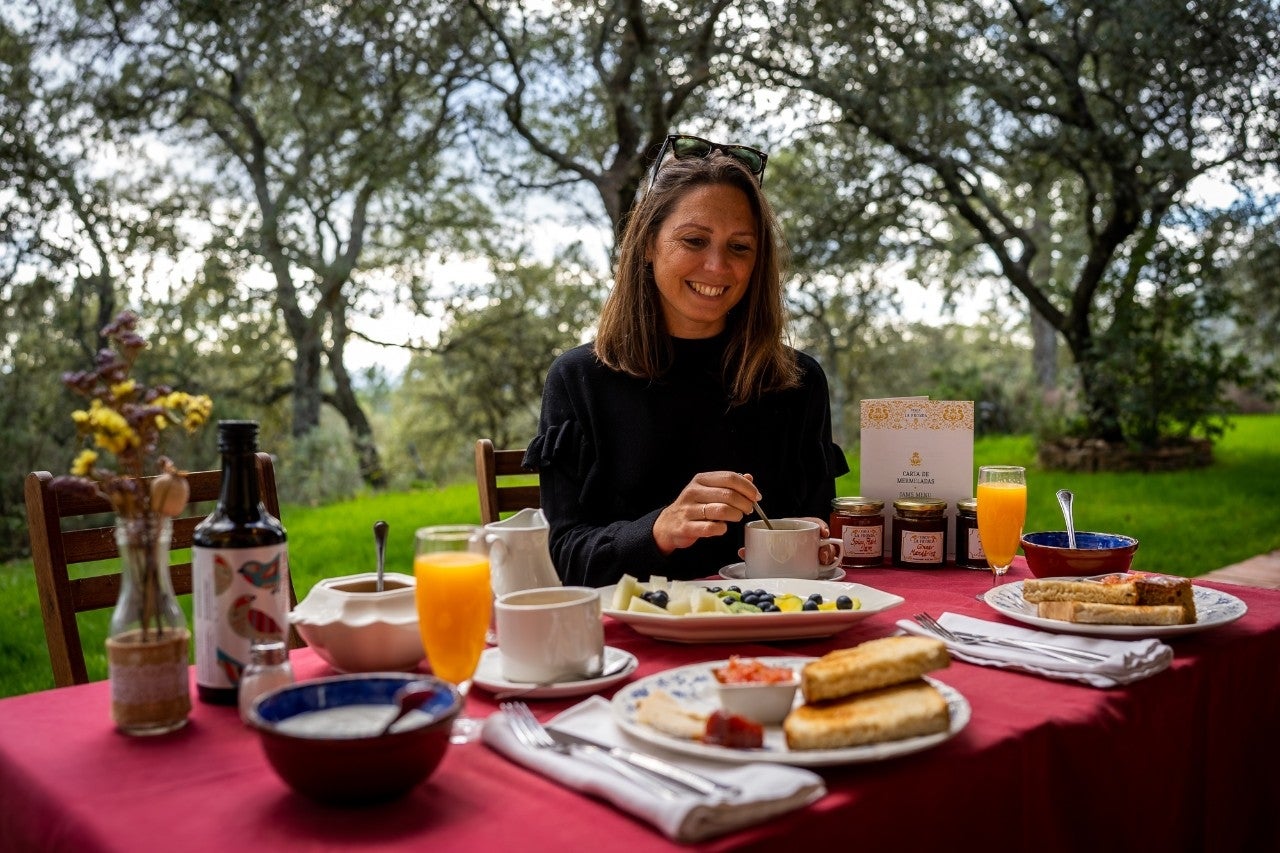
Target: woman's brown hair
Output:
{"points": [[631, 336]]}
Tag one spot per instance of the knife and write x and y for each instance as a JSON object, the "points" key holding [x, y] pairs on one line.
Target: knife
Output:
{"points": [[694, 782]]}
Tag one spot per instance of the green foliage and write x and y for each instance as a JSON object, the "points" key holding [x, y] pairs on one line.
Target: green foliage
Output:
{"points": [[1162, 364], [484, 378], [317, 467]]}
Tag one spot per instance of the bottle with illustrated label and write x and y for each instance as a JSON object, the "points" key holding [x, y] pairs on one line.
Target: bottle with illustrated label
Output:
{"points": [[239, 571]]}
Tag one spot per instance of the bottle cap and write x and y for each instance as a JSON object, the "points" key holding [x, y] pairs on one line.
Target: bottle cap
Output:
{"points": [[237, 436]]}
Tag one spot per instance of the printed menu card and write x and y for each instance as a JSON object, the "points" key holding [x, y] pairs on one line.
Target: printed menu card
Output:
{"points": [[917, 447]]}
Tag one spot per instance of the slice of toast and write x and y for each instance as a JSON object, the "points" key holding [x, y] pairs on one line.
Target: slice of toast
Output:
{"points": [[870, 666], [1168, 589], [1113, 589], [890, 713], [1093, 613]]}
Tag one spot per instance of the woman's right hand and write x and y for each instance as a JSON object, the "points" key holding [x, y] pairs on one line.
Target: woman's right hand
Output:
{"points": [[705, 507]]}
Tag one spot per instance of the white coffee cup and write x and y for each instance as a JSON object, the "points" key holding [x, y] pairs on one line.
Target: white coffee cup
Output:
{"points": [[789, 550], [550, 634]]}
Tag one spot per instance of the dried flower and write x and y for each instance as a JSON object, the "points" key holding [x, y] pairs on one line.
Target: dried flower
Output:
{"points": [[127, 419]]}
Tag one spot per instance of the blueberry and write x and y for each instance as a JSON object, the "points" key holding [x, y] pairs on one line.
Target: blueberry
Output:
{"points": [[734, 589], [815, 596], [844, 602], [809, 605]]}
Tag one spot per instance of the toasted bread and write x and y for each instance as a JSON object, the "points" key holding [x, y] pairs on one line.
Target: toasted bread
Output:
{"points": [[890, 713], [1168, 589], [1113, 589], [871, 665], [1093, 613]]}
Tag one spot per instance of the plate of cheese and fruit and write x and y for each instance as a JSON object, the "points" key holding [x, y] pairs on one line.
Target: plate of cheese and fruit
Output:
{"points": [[759, 609]]}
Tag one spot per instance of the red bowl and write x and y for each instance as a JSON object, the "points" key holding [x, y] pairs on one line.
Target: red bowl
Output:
{"points": [[1095, 554], [352, 764]]}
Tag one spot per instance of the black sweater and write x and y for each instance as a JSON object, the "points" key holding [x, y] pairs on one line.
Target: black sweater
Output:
{"points": [[614, 450]]}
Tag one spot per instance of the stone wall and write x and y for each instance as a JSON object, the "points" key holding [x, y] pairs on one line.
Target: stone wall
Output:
{"points": [[1075, 454]]}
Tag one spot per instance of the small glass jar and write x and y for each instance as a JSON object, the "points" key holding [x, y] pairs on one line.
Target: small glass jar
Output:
{"points": [[969, 553], [859, 525], [919, 533], [268, 669]]}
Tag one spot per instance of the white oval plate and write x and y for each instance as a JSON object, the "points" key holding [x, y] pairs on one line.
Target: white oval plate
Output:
{"points": [[694, 686], [733, 627], [738, 572], [489, 676], [1213, 608]]}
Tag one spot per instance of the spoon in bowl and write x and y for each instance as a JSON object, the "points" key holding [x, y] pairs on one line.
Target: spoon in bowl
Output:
{"points": [[380, 542], [1064, 500], [411, 697]]}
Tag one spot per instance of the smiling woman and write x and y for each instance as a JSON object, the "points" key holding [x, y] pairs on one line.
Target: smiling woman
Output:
{"points": [[656, 440]]}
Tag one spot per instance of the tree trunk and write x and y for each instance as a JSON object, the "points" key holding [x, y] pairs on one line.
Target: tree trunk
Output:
{"points": [[1044, 353], [306, 384]]}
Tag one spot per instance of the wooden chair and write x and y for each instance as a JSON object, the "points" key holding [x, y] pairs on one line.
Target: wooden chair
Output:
{"points": [[53, 549], [495, 496]]}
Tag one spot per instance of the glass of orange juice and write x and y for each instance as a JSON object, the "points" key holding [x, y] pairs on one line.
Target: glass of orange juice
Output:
{"points": [[1002, 509], [454, 602]]}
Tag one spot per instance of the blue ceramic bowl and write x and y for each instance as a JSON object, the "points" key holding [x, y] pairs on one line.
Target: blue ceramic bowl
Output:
{"points": [[322, 737], [1095, 553]]}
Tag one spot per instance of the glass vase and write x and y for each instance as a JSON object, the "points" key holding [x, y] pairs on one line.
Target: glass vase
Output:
{"points": [[148, 638]]}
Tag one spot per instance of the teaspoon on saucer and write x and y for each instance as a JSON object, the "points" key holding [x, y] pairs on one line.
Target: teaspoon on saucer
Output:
{"points": [[613, 668]]}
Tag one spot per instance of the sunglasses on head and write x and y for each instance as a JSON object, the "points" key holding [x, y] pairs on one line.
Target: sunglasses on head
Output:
{"points": [[684, 147]]}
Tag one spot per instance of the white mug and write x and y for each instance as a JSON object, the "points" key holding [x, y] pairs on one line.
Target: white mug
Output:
{"points": [[789, 550], [550, 634]]}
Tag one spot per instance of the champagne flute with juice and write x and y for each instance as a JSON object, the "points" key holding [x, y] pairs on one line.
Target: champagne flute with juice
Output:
{"points": [[1002, 509], [454, 602]]}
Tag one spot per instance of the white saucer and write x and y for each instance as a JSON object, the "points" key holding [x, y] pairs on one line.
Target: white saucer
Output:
{"points": [[738, 572], [489, 676]]}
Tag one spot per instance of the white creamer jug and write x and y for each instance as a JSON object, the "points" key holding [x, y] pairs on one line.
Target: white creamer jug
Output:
{"points": [[520, 552]]}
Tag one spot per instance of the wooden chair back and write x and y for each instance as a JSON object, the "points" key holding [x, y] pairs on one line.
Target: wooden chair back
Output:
{"points": [[496, 496], [53, 550]]}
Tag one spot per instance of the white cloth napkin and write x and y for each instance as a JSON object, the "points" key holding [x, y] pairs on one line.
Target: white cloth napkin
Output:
{"points": [[1127, 660], [767, 790]]}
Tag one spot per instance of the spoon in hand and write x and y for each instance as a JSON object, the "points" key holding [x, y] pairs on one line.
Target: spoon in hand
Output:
{"points": [[763, 517], [380, 541], [1064, 500]]}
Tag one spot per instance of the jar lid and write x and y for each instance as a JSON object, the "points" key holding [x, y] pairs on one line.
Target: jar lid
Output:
{"points": [[925, 506], [858, 505], [967, 505]]}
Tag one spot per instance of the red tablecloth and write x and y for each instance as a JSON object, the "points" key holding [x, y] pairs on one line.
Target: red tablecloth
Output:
{"points": [[1185, 760]]}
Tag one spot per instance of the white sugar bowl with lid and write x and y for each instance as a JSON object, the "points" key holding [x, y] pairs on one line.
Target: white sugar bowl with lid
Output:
{"points": [[355, 628]]}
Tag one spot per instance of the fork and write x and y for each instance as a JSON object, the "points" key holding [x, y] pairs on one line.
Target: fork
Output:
{"points": [[1061, 653], [531, 733]]}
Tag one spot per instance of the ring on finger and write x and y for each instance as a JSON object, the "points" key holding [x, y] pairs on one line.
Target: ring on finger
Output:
{"points": [[704, 512]]}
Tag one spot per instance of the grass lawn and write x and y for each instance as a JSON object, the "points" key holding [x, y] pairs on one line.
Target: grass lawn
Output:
{"points": [[1188, 523]]}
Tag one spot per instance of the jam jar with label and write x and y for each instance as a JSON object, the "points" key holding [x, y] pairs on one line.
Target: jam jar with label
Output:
{"points": [[969, 553], [919, 533], [859, 525]]}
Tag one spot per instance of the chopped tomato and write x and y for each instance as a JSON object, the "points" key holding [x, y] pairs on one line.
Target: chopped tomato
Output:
{"points": [[733, 731], [743, 671]]}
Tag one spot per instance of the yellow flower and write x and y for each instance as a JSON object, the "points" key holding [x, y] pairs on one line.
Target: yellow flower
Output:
{"points": [[110, 430], [83, 463], [123, 389], [80, 417]]}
